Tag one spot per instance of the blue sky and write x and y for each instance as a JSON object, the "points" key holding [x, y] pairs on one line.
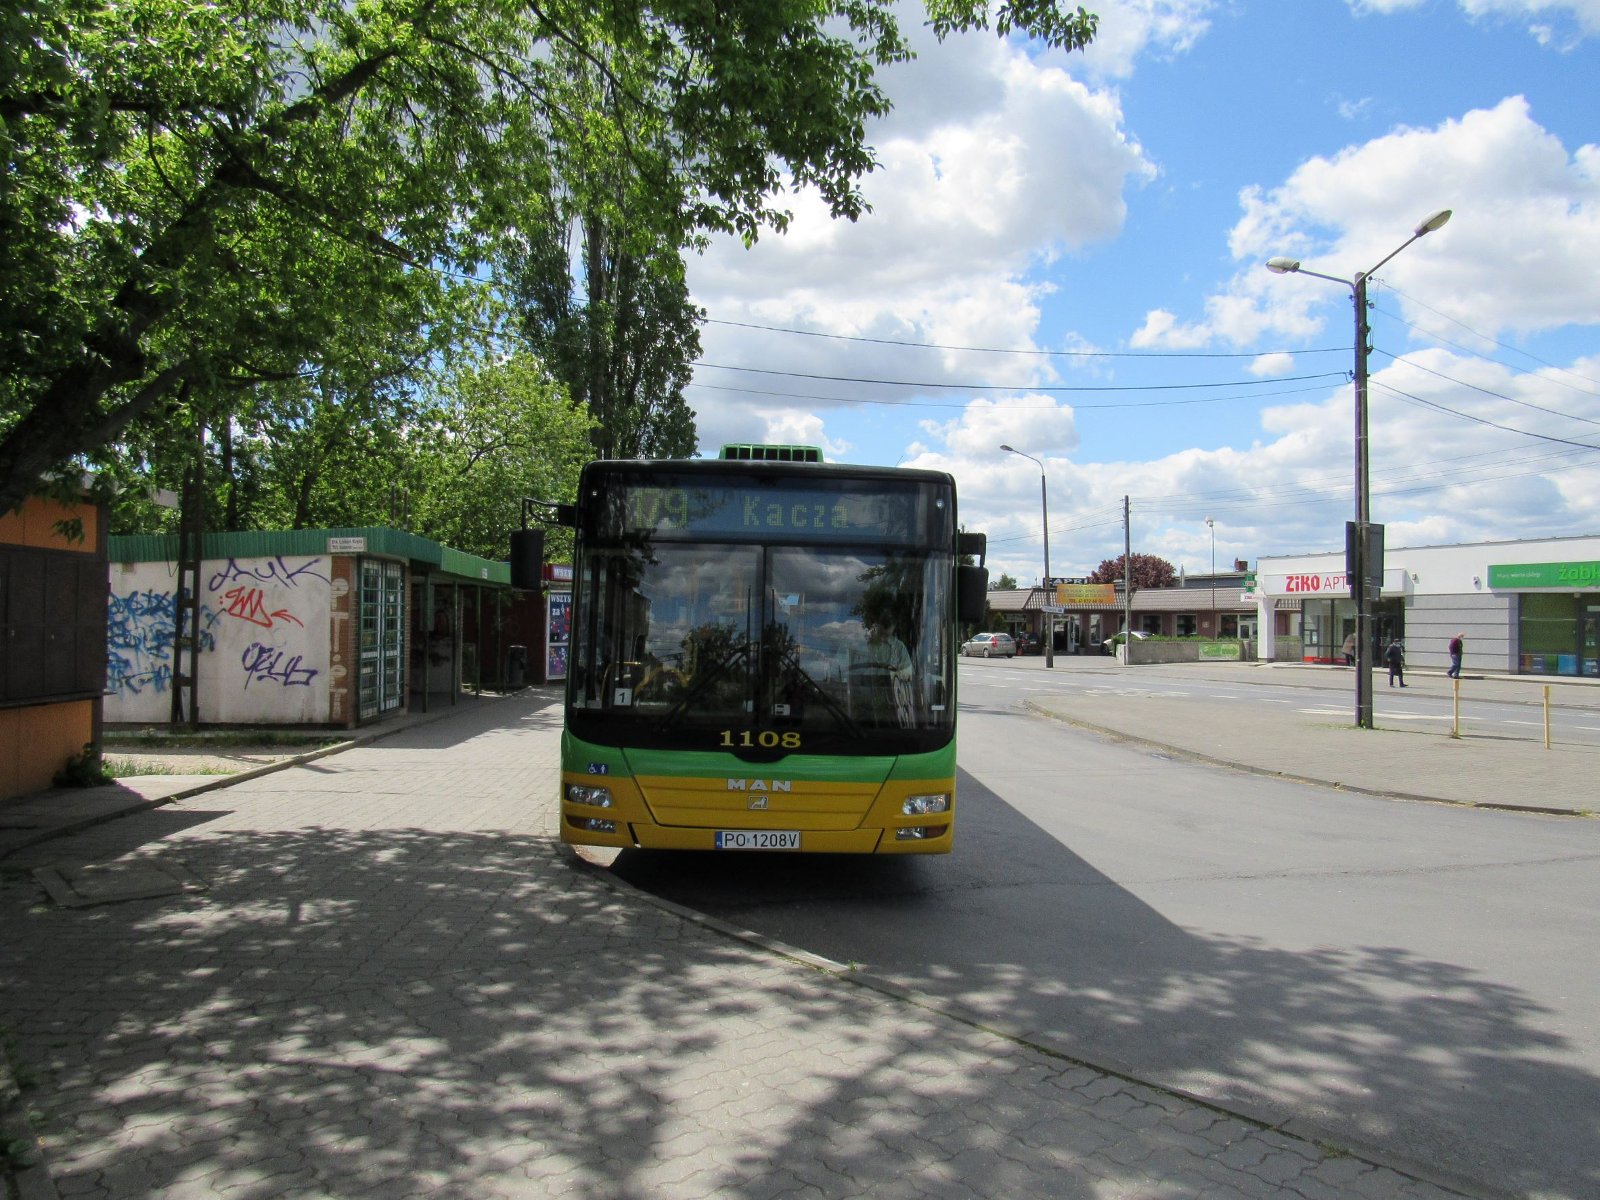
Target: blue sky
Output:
{"points": [[1066, 254]]}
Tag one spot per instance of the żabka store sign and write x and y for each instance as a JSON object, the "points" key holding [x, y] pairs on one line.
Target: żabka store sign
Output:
{"points": [[1330, 585]]}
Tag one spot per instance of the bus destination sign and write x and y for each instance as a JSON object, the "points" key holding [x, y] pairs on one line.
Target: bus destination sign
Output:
{"points": [[833, 513]]}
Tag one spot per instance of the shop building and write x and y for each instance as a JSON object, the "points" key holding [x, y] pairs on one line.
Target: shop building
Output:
{"points": [[1525, 607], [1202, 606], [52, 638], [329, 627]]}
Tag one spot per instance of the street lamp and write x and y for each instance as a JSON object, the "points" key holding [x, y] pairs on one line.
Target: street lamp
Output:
{"points": [[1212, 525], [1363, 524], [1049, 617]]}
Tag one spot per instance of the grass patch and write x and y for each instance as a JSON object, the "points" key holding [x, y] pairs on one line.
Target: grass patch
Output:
{"points": [[221, 740], [202, 739], [122, 768], [84, 770]]}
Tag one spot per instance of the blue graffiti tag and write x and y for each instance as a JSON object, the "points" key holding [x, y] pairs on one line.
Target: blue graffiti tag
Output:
{"points": [[272, 570], [139, 639], [267, 662], [127, 675]]}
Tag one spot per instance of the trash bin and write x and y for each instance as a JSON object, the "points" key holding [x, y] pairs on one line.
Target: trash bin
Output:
{"points": [[517, 666]]}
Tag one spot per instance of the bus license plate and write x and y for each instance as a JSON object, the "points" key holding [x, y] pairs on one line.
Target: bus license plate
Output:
{"points": [[758, 839]]}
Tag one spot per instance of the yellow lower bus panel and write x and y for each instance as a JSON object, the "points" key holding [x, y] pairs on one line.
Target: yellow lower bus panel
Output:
{"points": [[709, 813]]}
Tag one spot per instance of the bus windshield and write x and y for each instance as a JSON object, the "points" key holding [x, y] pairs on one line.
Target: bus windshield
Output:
{"points": [[715, 645]]}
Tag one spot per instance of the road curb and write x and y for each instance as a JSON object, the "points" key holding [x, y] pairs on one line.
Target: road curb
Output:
{"points": [[1258, 1117]]}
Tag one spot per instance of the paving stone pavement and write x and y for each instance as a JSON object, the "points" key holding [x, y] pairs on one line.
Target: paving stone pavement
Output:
{"points": [[392, 981]]}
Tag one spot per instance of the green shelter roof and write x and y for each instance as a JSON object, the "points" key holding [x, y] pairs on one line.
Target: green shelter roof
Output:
{"points": [[378, 542]]}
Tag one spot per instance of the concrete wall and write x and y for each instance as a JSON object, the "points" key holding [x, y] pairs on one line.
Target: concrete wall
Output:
{"points": [[1188, 650], [264, 641]]}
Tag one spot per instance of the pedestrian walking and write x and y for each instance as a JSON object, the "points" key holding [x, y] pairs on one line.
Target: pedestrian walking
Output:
{"points": [[1456, 645], [1395, 656], [1350, 650]]}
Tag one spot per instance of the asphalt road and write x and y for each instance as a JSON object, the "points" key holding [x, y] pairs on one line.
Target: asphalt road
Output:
{"points": [[1406, 976]]}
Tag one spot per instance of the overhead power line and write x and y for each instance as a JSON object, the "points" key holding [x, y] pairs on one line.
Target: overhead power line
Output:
{"points": [[1416, 366], [1010, 387], [1077, 405], [1444, 408], [1482, 337], [1155, 354]]}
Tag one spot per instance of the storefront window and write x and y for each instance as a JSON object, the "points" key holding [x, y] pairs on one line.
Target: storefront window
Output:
{"points": [[1548, 634], [1322, 637]]}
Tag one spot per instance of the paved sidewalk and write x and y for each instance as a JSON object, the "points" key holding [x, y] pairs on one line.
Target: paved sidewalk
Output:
{"points": [[1311, 735], [377, 974]]}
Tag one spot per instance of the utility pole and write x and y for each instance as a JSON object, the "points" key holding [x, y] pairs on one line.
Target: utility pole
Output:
{"points": [[1127, 576], [1363, 539]]}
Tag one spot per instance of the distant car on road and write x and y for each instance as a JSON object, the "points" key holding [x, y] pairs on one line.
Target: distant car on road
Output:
{"points": [[990, 645], [1116, 639], [1029, 643]]}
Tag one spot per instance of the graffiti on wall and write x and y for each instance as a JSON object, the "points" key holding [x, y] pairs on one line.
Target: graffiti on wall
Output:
{"points": [[139, 640], [265, 662], [274, 570], [263, 640]]}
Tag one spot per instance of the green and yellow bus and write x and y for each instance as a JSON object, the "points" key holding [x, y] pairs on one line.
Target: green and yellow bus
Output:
{"points": [[763, 655]]}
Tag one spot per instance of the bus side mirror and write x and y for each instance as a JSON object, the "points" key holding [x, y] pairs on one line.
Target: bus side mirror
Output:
{"points": [[972, 545], [972, 594], [527, 559]]}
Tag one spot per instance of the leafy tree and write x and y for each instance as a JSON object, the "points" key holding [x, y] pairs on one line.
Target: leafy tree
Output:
{"points": [[626, 348], [324, 447], [494, 433], [1148, 571], [1004, 584], [195, 193]]}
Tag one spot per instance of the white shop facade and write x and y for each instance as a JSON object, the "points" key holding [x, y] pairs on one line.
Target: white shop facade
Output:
{"points": [[1527, 607]]}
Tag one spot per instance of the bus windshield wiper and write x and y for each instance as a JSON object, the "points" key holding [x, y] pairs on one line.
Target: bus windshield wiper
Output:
{"points": [[790, 662], [739, 653]]}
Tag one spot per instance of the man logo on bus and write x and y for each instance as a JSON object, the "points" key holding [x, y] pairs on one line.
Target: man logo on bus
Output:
{"points": [[758, 804], [759, 785]]}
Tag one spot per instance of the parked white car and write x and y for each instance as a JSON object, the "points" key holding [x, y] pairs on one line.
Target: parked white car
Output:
{"points": [[990, 645]]}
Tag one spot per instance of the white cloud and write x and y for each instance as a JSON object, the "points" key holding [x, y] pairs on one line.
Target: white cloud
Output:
{"points": [[1133, 29], [1516, 256], [1001, 172], [1436, 476], [1031, 423], [1585, 14], [1268, 365], [993, 163]]}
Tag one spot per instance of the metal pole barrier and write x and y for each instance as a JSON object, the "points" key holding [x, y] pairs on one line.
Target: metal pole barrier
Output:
{"points": [[1547, 716], [1455, 720]]}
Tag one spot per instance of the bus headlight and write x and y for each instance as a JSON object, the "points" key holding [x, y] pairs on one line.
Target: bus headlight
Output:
{"points": [[581, 793], [917, 806]]}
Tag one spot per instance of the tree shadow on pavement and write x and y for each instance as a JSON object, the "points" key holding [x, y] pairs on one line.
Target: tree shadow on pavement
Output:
{"points": [[410, 1012], [1373, 1045], [385, 993]]}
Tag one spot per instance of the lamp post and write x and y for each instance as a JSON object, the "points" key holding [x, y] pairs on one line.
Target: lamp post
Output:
{"points": [[1044, 503], [1361, 585], [1212, 525]]}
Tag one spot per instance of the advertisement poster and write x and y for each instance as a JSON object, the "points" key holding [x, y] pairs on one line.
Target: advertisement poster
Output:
{"points": [[558, 631]]}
